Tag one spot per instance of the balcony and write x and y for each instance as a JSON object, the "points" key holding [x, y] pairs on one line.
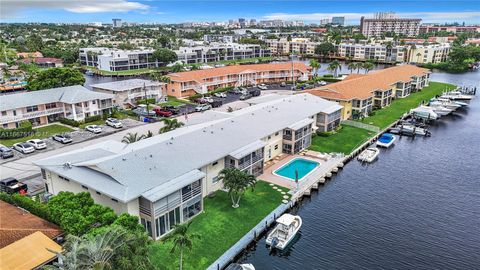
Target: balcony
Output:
{"points": [[26, 116]]}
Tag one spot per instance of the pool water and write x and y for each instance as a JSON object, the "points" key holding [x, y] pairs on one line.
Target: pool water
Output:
{"points": [[302, 166]]}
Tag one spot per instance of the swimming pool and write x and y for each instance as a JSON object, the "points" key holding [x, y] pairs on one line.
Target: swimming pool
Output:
{"points": [[302, 166]]}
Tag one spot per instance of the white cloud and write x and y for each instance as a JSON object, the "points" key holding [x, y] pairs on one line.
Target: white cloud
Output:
{"points": [[355, 17], [11, 8]]}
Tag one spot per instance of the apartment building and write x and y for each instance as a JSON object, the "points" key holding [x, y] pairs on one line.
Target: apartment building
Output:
{"points": [[381, 25], [185, 84], [452, 29], [43, 62], [117, 60], [126, 93], [301, 46], [376, 52], [359, 94], [45, 106], [422, 54], [220, 52], [163, 179]]}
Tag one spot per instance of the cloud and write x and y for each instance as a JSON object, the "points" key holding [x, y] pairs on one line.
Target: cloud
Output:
{"points": [[434, 17], [11, 8]]}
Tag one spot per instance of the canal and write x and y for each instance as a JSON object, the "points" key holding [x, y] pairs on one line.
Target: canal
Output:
{"points": [[416, 207]]}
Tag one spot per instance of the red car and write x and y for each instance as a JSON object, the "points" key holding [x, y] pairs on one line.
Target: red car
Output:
{"points": [[162, 112]]}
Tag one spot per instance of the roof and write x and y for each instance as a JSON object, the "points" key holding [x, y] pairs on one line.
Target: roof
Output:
{"points": [[301, 123], [69, 94], [29, 252], [126, 84], [245, 150], [41, 60], [16, 223], [200, 75], [125, 172], [362, 87], [286, 219]]}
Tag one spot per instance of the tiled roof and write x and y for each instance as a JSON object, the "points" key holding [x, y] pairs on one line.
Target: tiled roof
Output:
{"points": [[362, 87], [16, 224], [199, 75]]}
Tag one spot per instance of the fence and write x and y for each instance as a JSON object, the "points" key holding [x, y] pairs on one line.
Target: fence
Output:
{"points": [[360, 125]]}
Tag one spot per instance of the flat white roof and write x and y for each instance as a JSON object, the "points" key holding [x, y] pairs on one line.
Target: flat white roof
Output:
{"points": [[125, 85]]}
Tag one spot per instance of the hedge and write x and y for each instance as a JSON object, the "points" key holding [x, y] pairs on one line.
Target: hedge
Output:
{"points": [[69, 122], [149, 100], [34, 207], [92, 118], [24, 129]]}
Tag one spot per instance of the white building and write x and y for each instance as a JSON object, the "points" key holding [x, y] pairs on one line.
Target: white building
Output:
{"points": [[219, 52], [117, 60], [423, 54], [383, 24], [377, 52], [163, 179], [298, 46]]}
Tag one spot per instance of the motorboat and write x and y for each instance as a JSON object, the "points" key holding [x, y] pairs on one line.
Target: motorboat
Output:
{"points": [[406, 129], [447, 104], [386, 140], [463, 104], [424, 112], [456, 95], [369, 154], [285, 230], [240, 266], [440, 110]]}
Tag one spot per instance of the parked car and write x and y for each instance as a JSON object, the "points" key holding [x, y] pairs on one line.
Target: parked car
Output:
{"points": [[11, 185], [255, 92], [208, 99], [5, 152], [235, 91], [245, 96], [262, 86], [93, 128], [216, 103], [63, 138], [203, 107], [162, 112], [24, 148], [220, 95], [38, 144], [322, 83], [283, 84], [172, 109], [114, 122]]}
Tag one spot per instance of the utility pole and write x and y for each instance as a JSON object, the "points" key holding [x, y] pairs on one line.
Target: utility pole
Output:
{"points": [[293, 78], [146, 99]]}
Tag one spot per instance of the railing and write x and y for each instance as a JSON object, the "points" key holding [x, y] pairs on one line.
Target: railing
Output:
{"points": [[145, 210], [8, 119], [192, 193]]}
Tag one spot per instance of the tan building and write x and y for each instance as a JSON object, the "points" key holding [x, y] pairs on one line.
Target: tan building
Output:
{"points": [[301, 46], [383, 24], [185, 84], [422, 54]]}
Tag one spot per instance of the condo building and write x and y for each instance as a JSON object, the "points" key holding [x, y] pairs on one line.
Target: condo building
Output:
{"points": [[45, 106], [117, 60], [377, 52], [384, 23], [220, 52], [301, 46], [422, 54], [185, 84], [163, 179], [359, 94]]}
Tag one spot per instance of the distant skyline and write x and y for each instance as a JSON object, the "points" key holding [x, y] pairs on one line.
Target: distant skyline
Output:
{"points": [[176, 11]]}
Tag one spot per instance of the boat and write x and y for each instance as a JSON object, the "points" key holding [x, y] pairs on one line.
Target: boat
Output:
{"points": [[456, 95], [386, 140], [425, 113], [447, 104], [240, 266], [440, 110], [369, 154], [410, 130], [285, 230]]}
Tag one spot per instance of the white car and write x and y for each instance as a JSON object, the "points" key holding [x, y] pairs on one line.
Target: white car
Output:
{"points": [[262, 86], [38, 144], [94, 129], [208, 99], [322, 83], [113, 122], [220, 95], [203, 107], [24, 148], [63, 138]]}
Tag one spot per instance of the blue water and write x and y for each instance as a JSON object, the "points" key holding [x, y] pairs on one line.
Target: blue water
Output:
{"points": [[302, 166]]}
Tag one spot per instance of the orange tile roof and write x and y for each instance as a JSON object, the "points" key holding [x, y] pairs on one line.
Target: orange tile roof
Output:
{"points": [[16, 224], [354, 76], [362, 87], [199, 75]]}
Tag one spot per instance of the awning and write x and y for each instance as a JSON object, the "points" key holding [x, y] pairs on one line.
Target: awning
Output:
{"points": [[301, 124], [247, 149], [29, 252], [173, 185]]}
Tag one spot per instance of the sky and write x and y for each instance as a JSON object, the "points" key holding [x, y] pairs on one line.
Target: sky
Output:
{"points": [[174, 11]]}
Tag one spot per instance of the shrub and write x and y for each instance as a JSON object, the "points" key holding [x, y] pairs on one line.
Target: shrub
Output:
{"points": [[325, 134], [34, 207], [23, 130], [69, 122], [93, 118], [145, 100], [328, 76]]}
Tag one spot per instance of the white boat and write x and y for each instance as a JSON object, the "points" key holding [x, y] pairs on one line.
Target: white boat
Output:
{"points": [[238, 266], [414, 130], [386, 140], [369, 154], [285, 230], [456, 95], [463, 104], [440, 110], [424, 112], [447, 104]]}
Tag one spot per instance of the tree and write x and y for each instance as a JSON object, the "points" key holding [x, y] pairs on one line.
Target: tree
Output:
{"points": [[164, 56], [315, 66], [181, 239], [367, 66], [236, 182], [170, 124], [55, 77], [325, 49], [132, 137], [149, 134], [334, 66], [352, 66]]}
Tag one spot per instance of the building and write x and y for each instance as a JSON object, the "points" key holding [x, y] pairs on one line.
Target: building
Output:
{"points": [[301, 46], [126, 93], [359, 94], [185, 84], [424, 29], [45, 106], [43, 62], [423, 54], [117, 22], [29, 55], [388, 23], [338, 21], [220, 52], [242, 22], [376, 52], [325, 21], [117, 60], [163, 179]]}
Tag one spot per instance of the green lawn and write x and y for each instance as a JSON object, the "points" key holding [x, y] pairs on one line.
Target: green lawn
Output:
{"points": [[390, 114], [40, 133], [220, 226], [343, 141], [173, 101]]}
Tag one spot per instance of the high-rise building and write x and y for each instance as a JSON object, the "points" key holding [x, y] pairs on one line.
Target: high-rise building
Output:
{"points": [[325, 21], [253, 22], [384, 23], [117, 22], [338, 20], [242, 23]]}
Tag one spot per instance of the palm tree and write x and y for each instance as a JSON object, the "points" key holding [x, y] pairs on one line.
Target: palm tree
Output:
{"points": [[236, 182], [148, 134], [352, 66], [334, 66], [181, 239], [132, 137], [170, 124], [315, 66], [367, 66]]}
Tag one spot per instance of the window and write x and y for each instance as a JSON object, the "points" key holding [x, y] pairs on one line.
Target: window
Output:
{"points": [[215, 163], [14, 113], [4, 113], [84, 187], [276, 147], [269, 137], [99, 193], [32, 108], [50, 106], [94, 102], [66, 179], [276, 133], [215, 179], [115, 200]]}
